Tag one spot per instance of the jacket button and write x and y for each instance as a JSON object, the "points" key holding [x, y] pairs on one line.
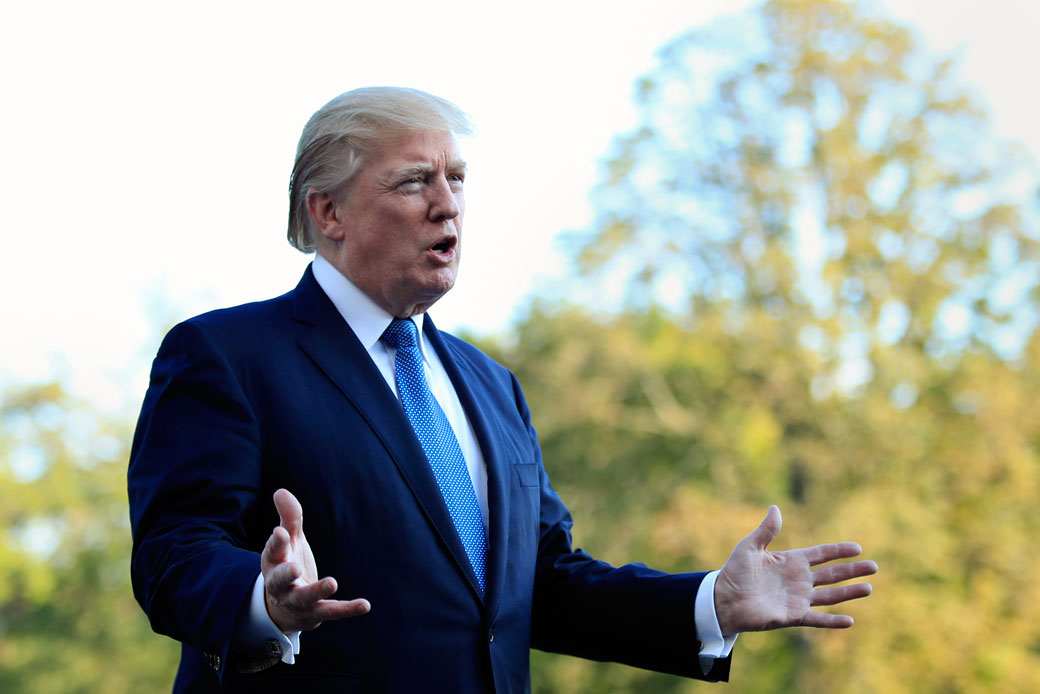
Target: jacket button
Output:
{"points": [[491, 635]]}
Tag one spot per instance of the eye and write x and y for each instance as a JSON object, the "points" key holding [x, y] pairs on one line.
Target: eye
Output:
{"points": [[456, 179], [412, 183]]}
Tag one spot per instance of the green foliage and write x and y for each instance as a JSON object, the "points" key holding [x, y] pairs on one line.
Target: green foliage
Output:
{"points": [[669, 441], [68, 620], [850, 268]]}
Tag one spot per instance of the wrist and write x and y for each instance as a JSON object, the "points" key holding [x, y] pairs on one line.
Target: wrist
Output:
{"points": [[724, 608]]}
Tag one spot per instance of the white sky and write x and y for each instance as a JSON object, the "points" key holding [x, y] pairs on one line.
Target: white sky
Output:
{"points": [[146, 148]]}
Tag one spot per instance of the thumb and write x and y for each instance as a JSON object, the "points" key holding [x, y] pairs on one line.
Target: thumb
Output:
{"points": [[290, 512], [767, 531]]}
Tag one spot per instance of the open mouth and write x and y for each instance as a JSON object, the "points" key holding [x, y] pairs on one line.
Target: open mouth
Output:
{"points": [[445, 245]]}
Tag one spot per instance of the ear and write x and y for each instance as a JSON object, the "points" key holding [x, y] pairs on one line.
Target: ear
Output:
{"points": [[323, 209]]}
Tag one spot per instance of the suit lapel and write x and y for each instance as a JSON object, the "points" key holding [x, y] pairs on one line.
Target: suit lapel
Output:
{"points": [[463, 376], [334, 348]]}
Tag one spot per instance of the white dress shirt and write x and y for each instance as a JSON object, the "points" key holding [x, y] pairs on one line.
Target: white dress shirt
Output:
{"points": [[368, 320], [258, 633]]}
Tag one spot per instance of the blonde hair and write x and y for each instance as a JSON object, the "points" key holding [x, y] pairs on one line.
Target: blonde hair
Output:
{"points": [[340, 133]]}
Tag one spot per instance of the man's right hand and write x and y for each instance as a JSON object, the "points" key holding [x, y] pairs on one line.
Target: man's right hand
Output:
{"points": [[295, 598]]}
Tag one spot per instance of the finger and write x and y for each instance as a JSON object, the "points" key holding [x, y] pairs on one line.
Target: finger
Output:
{"points": [[290, 512], [279, 580], [822, 620], [843, 572], [768, 529], [821, 554], [330, 610], [305, 596], [833, 596], [276, 550]]}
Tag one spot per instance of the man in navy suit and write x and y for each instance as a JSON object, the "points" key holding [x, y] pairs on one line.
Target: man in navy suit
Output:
{"points": [[298, 401]]}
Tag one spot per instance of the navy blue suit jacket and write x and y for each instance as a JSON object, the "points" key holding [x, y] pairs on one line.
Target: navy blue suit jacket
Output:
{"points": [[280, 393]]}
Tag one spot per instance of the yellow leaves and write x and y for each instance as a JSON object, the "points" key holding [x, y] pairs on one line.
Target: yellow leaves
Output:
{"points": [[683, 434], [667, 410], [759, 435], [24, 580], [64, 554], [937, 599], [700, 529]]}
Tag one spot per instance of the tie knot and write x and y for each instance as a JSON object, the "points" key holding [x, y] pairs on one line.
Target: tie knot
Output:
{"points": [[401, 333]]}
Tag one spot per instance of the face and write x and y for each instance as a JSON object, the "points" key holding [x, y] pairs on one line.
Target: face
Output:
{"points": [[396, 233]]}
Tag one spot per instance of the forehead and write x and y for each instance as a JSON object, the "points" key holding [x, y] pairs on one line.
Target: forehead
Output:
{"points": [[436, 148]]}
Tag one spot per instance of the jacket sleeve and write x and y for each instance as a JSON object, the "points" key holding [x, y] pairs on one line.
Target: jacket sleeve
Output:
{"points": [[194, 481], [630, 614]]}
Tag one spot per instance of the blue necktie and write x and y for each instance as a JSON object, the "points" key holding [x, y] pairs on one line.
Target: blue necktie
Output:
{"points": [[439, 443]]}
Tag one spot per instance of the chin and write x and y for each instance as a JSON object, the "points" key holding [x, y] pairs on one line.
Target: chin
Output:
{"points": [[426, 294], [441, 283]]}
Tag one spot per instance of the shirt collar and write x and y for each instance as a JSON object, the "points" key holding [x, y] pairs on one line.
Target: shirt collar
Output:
{"points": [[365, 317]]}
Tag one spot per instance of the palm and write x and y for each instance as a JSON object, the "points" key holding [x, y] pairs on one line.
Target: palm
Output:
{"points": [[296, 600], [298, 552], [758, 589]]}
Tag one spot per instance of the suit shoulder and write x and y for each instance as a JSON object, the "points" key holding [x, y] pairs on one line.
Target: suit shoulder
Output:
{"points": [[242, 319], [236, 330]]}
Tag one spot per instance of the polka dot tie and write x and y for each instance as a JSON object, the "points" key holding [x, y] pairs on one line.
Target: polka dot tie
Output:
{"points": [[438, 441]]}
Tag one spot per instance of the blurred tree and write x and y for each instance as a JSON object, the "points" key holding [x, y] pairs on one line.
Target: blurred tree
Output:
{"points": [[809, 160], [668, 442], [849, 265], [68, 620]]}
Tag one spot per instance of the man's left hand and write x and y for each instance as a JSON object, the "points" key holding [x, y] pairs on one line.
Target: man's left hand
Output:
{"points": [[759, 590]]}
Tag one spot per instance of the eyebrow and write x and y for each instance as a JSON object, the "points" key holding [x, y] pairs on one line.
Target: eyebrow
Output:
{"points": [[425, 168]]}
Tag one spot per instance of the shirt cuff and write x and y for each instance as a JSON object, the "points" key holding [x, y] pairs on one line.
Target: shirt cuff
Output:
{"points": [[256, 633], [713, 644]]}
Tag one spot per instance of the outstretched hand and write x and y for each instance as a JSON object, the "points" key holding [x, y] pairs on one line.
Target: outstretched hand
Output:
{"points": [[759, 590], [296, 600]]}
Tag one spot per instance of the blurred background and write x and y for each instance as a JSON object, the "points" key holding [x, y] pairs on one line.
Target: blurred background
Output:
{"points": [[737, 253]]}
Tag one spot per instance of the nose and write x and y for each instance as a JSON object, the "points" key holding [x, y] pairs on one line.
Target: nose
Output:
{"points": [[446, 201]]}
